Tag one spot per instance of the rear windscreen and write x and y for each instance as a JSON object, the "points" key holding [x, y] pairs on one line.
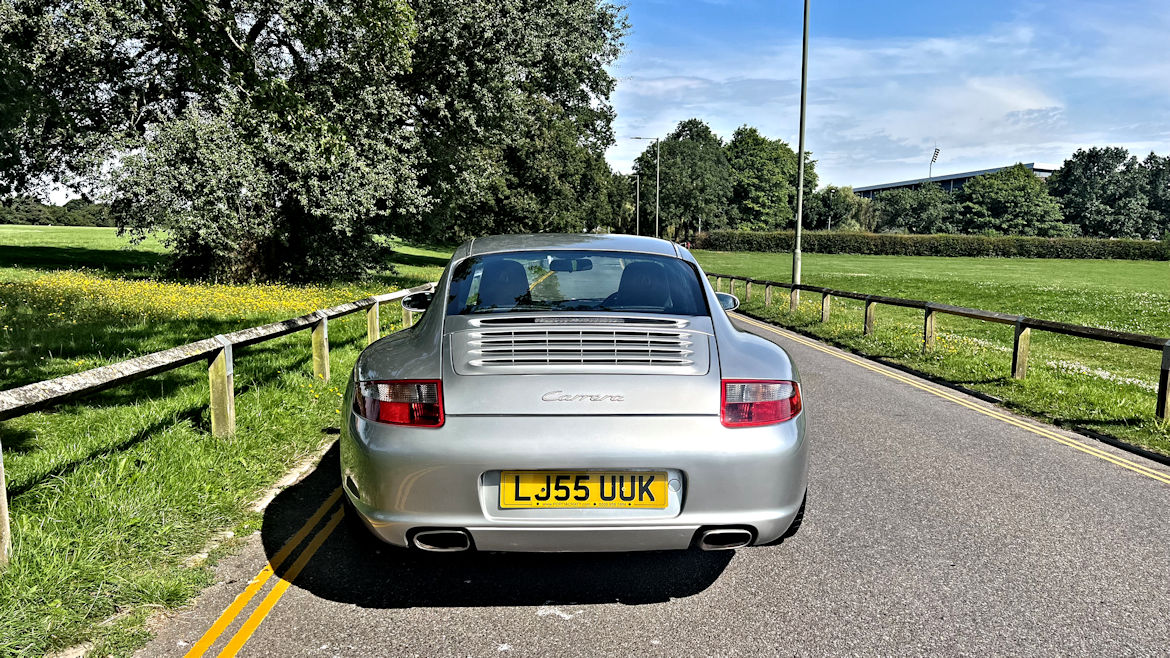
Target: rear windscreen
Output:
{"points": [[575, 281]]}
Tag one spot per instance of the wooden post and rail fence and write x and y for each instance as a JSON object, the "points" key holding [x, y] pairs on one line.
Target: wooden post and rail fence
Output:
{"points": [[1021, 343], [216, 352]]}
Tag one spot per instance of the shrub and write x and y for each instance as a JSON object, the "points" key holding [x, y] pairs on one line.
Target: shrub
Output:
{"points": [[887, 244]]}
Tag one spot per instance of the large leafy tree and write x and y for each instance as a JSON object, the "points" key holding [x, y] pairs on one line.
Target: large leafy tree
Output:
{"points": [[763, 172], [924, 209], [268, 139], [1103, 190], [546, 181], [1011, 201], [695, 185], [491, 80], [263, 139]]}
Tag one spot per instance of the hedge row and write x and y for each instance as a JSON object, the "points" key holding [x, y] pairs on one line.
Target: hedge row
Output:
{"points": [[885, 244]]}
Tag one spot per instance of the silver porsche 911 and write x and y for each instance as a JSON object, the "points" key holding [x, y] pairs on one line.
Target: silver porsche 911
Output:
{"points": [[574, 393]]}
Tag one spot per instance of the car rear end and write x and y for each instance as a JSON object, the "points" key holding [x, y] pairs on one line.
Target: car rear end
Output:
{"points": [[599, 428]]}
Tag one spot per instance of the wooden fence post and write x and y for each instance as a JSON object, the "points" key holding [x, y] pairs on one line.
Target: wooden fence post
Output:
{"points": [[794, 299], [747, 291], [1020, 349], [870, 316], [718, 283], [373, 328], [321, 348], [221, 377], [767, 295], [826, 302], [928, 330], [1163, 393], [5, 529]]}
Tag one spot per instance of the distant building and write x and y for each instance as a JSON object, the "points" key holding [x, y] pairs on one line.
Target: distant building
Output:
{"points": [[950, 182]]}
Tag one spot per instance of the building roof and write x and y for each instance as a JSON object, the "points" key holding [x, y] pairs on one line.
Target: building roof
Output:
{"points": [[1037, 167]]}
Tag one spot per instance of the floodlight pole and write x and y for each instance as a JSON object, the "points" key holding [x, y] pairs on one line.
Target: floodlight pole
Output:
{"points": [[794, 297]]}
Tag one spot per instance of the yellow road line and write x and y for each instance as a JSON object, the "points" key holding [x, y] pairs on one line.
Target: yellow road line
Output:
{"points": [[237, 642], [537, 282], [998, 415], [229, 615]]}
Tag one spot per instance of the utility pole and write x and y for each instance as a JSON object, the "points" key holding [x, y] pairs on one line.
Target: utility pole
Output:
{"points": [[794, 298]]}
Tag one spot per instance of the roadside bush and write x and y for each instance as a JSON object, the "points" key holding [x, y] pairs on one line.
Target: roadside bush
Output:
{"points": [[887, 244]]}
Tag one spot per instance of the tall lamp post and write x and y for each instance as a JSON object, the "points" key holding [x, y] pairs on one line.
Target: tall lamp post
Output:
{"points": [[657, 176], [637, 204], [930, 170], [794, 298]]}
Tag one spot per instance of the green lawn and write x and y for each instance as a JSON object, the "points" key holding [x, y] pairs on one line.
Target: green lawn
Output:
{"points": [[1071, 381], [109, 496], [66, 247]]}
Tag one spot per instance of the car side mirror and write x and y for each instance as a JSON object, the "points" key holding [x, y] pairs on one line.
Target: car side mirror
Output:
{"points": [[728, 301], [418, 302]]}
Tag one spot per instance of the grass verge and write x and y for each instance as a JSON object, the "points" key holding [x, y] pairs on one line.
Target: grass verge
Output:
{"points": [[110, 496], [1073, 382]]}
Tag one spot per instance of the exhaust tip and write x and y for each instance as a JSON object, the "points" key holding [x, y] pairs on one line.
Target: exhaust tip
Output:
{"points": [[442, 541], [723, 539]]}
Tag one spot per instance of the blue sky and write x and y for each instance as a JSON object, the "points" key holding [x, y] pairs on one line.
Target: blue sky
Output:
{"points": [[990, 83]]}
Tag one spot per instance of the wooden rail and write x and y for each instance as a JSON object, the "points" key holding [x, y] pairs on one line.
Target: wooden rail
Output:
{"points": [[1021, 343], [217, 352]]}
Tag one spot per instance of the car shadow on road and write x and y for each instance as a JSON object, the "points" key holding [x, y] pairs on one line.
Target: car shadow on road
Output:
{"points": [[352, 566]]}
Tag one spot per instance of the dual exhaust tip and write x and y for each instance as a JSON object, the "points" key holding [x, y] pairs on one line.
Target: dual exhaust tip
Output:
{"points": [[724, 539], [446, 540], [453, 540]]}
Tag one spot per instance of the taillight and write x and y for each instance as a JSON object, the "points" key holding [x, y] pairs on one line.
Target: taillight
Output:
{"points": [[753, 402], [403, 402]]}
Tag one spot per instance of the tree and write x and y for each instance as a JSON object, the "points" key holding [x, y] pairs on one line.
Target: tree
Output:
{"points": [[265, 139], [1103, 191], [696, 181], [486, 78], [1158, 190], [1011, 201], [838, 208], [544, 182], [762, 173], [924, 209]]}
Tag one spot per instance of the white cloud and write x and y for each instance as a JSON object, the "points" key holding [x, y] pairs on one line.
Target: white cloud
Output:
{"points": [[1033, 89]]}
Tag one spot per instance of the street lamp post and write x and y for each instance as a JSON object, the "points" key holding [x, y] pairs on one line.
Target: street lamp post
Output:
{"points": [[794, 298], [657, 176], [637, 203]]}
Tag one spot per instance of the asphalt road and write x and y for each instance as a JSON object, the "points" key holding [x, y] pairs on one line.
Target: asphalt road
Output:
{"points": [[936, 524]]}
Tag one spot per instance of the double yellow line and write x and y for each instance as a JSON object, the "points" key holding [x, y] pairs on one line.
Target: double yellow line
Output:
{"points": [[991, 413], [284, 580]]}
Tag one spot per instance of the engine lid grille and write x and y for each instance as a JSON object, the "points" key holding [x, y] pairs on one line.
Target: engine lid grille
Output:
{"points": [[601, 349]]}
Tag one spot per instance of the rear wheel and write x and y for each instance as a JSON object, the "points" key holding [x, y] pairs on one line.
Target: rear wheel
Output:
{"points": [[796, 523]]}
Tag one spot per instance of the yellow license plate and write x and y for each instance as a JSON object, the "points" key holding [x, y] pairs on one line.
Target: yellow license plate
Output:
{"points": [[589, 489]]}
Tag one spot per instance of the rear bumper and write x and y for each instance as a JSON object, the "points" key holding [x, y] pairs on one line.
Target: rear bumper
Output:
{"points": [[400, 479]]}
